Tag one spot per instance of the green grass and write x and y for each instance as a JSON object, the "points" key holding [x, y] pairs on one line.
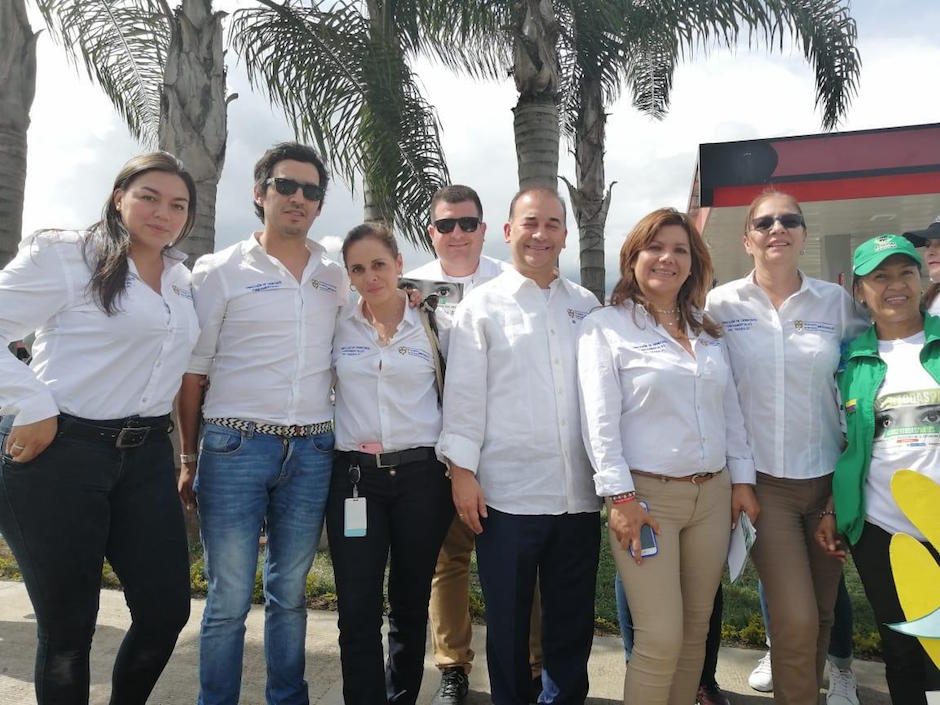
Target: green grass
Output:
{"points": [[741, 621]]}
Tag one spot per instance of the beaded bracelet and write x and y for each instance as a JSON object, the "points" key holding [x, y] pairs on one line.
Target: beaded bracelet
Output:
{"points": [[827, 512], [623, 498]]}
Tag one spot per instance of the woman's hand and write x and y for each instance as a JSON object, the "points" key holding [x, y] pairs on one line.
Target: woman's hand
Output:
{"points": [[468, 498], [828, 538], [625, 520], [185, 484], [26, 442], [744, 500]]}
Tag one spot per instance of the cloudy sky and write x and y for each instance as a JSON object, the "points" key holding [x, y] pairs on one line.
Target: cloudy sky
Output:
{"points": [[77, 142]]}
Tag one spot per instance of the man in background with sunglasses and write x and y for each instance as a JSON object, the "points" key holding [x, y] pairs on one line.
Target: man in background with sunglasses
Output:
{"points": [[266, 307], [457, 231]]}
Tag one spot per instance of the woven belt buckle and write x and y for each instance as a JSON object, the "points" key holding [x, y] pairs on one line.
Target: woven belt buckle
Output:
{"points": [[700, 477], [132, 437], [380, 460]]}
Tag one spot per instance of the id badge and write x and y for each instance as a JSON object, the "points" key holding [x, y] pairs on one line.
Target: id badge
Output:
{"points": [[354, 523]]}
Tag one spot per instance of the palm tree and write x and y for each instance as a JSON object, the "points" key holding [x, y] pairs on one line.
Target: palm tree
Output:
{"points": [[343, 79], [623, 42], [17, 87], [161, 68]]}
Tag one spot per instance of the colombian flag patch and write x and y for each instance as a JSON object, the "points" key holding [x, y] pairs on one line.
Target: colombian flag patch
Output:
{"points": [[850, 406]]}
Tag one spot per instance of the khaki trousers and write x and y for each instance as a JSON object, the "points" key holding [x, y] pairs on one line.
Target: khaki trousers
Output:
{"points": [[671, 594], [449, 610], [800, 583]]}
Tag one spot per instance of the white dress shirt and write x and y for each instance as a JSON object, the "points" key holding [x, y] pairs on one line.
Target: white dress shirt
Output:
{"points": [[87, 363], [784, 363], [267, 338], [487, 269], [650, 405], [511, 412], [384, 393]]}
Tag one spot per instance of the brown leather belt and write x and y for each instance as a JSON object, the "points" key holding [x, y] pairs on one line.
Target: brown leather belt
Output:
{"points": [[696, 479]]}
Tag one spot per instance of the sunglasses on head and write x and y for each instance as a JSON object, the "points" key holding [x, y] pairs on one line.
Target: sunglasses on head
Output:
{"points": [[787, 220], [288, 187], [468, 224]]}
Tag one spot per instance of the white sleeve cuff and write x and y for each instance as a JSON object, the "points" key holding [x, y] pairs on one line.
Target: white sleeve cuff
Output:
{"points": [[742, 471], [36, 408], [458, 451]]}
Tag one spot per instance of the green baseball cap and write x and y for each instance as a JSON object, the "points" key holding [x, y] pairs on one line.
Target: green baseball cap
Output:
{"points": [[873, 252]]}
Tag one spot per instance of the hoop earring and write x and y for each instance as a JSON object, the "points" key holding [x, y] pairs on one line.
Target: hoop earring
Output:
{"points": [[352, 287]]}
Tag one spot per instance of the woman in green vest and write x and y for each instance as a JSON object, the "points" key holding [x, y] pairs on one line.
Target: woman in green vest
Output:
{"points": [[889, 381]]}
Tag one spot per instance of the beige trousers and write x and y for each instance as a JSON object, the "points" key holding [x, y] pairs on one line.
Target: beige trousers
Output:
{"points": [[800, 583], [672, 593], [449, 610]]}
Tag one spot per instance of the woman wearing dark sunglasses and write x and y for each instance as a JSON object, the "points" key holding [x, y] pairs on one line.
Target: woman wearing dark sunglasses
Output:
{"points": [[783, 332], [87, 469]]}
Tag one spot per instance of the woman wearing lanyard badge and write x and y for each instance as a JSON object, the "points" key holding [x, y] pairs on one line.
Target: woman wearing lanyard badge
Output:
{"points": [[662, 424], [87, 471], [783, 332], [390, 501]]}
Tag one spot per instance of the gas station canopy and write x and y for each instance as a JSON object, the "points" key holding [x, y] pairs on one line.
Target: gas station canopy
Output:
{"points": [[850, 185]]}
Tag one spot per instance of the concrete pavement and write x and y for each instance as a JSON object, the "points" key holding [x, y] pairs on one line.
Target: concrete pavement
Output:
{"points": [[178, 685]]}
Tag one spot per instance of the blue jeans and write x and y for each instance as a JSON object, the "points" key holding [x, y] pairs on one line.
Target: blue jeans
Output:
{"points": [[840, 639], [246, 480]]}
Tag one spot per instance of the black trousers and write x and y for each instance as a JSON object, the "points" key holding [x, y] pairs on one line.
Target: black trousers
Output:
{"points": [[408, 511], [908, 669], [562, 551], [62, 514]]}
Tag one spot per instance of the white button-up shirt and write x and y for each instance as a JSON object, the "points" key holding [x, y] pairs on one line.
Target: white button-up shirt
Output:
{"points": [[784, 363], [487, 269], [651, 406], [87, 363], [511, 411], [267, 338], [384, 393]]}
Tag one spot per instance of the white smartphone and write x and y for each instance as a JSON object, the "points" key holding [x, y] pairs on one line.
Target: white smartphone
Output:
{"points": [[648, 545]]}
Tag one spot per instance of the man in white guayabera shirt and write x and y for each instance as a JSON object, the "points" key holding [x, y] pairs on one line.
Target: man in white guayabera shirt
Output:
{"points": [[457, 231], [521, 478], [267, 308]]}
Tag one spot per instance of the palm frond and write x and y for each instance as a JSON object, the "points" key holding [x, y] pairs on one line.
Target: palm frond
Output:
{"points": [[122, 45], [348, 89], [466, 37]]}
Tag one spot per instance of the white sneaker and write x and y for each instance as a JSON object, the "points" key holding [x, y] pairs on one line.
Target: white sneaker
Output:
{"points": [[761, 679], [842, 686]]}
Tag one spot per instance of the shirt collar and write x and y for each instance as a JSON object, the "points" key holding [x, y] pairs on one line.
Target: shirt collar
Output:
{"points": [[807, 284], [515, 280], [354, 311]]}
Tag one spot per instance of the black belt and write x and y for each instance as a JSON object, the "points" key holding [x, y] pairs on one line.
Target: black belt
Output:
{"points": [[392, 459], [131, 432]]}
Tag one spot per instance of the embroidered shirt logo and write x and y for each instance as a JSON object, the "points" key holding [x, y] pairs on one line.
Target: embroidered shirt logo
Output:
{"points": [[414, 352], [185, 293], [353, 350], [576, 315], [323, 286], [264, 286], [739, 324]]}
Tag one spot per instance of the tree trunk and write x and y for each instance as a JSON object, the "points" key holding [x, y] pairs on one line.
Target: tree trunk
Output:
{"points": [[193, 107], [588, 200], [371, 213], [17, 88], [535, 70]]}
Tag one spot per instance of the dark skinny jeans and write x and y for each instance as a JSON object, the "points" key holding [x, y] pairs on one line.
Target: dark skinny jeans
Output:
{"points": [[62, 514]]}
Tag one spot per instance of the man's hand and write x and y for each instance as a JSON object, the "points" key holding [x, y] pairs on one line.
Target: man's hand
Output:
{"points": [[185, 485], [744, 500], [625, 520], [26, 442], [468, 498]]}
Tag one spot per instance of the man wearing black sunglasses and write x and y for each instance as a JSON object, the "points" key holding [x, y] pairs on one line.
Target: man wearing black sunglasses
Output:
{"points": [[266, 307], [457, 231]]}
